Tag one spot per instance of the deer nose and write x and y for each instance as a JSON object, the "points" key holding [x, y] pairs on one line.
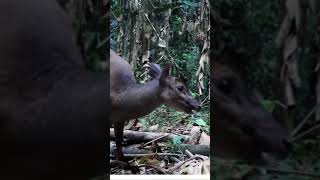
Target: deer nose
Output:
{"points": [[194, 105]]}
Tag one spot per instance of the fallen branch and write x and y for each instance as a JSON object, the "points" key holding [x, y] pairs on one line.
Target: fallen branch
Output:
{"points": [[154, 167], [194, 149], [139, 136], [188, 153], [157, 139], [151, 154], [179, 165], [131, 150], [176, 160]]}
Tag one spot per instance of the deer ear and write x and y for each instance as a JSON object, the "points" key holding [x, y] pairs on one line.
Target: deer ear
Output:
{"points": [[155, 70], [165, 73], [167, 70]]}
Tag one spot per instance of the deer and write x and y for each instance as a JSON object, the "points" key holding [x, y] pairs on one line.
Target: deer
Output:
{"points": [[242, 129], [131, 100], [54, 112]]}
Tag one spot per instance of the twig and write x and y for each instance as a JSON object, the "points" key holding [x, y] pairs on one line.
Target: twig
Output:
{"points": [[115, 17], [204, 104], [154, 29], [176, 134], [280, 104], [151, 154], [189, 153], [158, 36], [204, 100], [103, 42], [153, 6], [154, 167], [176, 160], [178, 166], [301, 135], [295, 131], [161, 137]]}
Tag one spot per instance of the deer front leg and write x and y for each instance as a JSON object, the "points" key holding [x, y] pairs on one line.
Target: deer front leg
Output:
{"points": [[118, 131]]}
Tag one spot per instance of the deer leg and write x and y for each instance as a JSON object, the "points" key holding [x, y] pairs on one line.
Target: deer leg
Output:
{"points": [[118, 131]]}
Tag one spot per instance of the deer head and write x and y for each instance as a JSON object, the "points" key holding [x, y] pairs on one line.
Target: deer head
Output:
{"points": [[173, 91], [242, 128]]}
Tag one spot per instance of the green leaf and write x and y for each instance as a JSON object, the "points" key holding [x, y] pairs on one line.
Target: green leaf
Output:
{"points": [[195, 94], [268, 105], [177, 140], [200, 122], [143, 160]]}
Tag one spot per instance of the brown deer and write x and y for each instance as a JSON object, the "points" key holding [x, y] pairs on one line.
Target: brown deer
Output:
{"points": [[130, 100], [53, 112], [242, 129]]}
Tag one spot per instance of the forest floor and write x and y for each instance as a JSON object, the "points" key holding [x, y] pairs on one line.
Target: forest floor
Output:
{"points": [[166, 142]]}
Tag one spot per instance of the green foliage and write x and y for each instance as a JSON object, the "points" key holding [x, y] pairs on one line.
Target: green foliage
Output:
{"points": [[183, 52], [268, 105], [89, 23], [167, 117], [186, 64], [95, 38], [202, 123], [177, 140]]}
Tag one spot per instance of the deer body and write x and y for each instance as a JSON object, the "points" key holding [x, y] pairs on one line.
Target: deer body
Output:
{"points": [[130, 100], [53, 112]]}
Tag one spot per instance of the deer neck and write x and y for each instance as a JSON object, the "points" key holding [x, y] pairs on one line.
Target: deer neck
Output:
{"points": [[139, 100]]}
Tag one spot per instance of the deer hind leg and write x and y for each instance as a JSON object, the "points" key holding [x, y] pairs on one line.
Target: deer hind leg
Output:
{"points": [[118, 131]]}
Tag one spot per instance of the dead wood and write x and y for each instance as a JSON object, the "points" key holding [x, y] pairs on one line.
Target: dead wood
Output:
{"points": [[139, 136], [130, 150], [194, 149]]}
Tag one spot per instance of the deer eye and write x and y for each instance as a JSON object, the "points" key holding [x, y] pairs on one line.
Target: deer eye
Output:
{"points": [[180, 88]]}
